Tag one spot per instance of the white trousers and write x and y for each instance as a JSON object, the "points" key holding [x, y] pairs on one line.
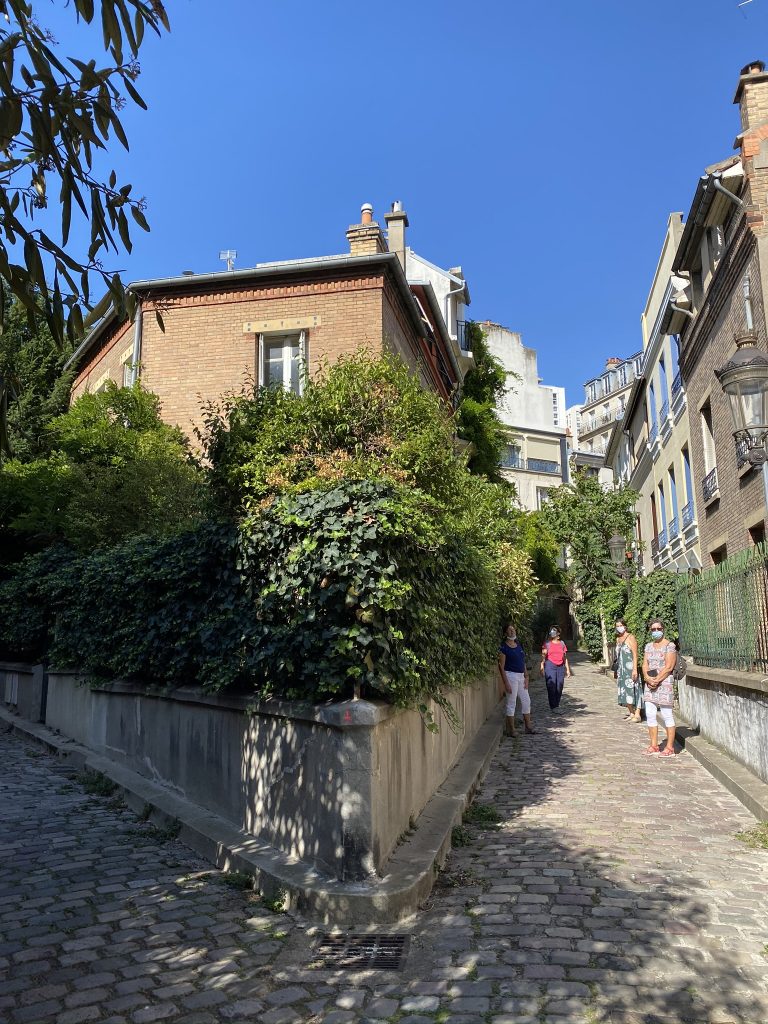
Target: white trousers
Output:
{"points": [[666, 714], [516, 688]]}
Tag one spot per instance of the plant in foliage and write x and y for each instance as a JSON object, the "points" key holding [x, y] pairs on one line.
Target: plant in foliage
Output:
{"points": [[583, 516], [113, 469], [478, 422], [35, 386], [58, 114], [653, 597]]}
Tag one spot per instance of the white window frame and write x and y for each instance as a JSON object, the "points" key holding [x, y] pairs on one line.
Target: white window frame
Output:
{"points": [[289, 338]]}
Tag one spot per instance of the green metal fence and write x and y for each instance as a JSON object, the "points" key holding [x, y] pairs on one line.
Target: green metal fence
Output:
{"points": [[723, 613]]}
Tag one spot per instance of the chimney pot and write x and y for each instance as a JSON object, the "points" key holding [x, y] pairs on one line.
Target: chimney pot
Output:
{"points": [[366, 213], [397, 222], [397, 206], [755, 67]]}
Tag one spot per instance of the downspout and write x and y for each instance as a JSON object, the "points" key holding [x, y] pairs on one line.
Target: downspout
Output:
{"points": [[721, 188], [454, 291], [136, 358], [679, 309]]}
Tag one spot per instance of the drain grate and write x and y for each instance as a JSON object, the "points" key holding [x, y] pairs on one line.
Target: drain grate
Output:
{"points": [[361, 952]]}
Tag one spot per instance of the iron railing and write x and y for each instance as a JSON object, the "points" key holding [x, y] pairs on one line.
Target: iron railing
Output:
{"points": [[662, 539], [673, 530], [742, 451], [664, 412], [688, 515], [723, 613], [514, 461], [543, 466], [709, 484], [653, 433], [677, 385], [463, 335], [654, 547]]}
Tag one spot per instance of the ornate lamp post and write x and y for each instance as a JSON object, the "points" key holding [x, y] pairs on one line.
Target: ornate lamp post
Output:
{"points": [[744, 379]]}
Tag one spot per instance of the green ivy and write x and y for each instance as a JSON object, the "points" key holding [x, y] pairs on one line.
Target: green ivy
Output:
{"points": [[653, 597]]}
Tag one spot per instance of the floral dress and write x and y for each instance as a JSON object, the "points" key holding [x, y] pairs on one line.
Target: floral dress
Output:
{"points": [[664, 695], [629, 692]]}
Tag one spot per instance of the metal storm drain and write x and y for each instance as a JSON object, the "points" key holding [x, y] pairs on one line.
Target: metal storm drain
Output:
{"points": [[361, 952]]}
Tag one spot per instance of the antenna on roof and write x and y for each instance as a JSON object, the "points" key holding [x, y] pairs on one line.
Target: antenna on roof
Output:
{"points": [[230, 255]]}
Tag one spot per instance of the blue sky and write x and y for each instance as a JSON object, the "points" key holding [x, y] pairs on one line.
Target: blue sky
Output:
{"points": [[540, 145]]}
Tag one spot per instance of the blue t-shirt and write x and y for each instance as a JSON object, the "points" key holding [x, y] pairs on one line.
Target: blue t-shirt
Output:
{"points": [[514, 657]]}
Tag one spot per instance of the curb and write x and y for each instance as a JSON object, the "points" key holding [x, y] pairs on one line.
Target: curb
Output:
{"points": [[411, 870], [737, 779]]}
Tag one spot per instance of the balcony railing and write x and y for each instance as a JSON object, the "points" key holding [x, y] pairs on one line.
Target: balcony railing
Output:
{"points": [[465, 342], [709, 484], [687, 515], [653, 433], [673, 529], [662, 539], [543, 466], [654, 547], [677, 385], [664, 412]]}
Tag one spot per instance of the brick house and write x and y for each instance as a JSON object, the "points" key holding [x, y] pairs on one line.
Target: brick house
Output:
{"points": [[720, 279], [225, 329]]}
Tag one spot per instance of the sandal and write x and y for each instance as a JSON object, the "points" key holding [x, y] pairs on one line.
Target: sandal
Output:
{"points": [[530, 732], [651, 750], [667, 752]]}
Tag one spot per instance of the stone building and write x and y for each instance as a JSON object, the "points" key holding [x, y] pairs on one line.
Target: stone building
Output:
{"points": [[649, 448], [265, 324], [721, 277], [536, 457]]}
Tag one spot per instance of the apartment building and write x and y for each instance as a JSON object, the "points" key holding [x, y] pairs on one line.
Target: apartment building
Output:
{"points": [[266, 324], [536, 458], [649, 448], [720, 293], [590, 425]]}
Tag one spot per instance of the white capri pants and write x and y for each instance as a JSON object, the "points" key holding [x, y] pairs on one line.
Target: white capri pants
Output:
{"points": [[650, 716], [516, 683]]}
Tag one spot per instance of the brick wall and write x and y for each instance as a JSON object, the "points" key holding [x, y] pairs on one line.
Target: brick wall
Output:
{"points": [[204, 351], [741, 504]]}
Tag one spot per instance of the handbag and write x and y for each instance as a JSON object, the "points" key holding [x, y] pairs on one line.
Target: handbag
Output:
{"points": [[615, 665]]}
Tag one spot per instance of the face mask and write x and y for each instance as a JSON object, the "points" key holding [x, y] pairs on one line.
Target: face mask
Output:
{"points": [[511, 638], [553, 633], [621, 629], [657, 634]]}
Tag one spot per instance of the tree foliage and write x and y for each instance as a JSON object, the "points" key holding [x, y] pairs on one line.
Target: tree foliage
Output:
{"points": [[584, 515], [112, 469], [34, 382], [478, 422], [57, 113]]}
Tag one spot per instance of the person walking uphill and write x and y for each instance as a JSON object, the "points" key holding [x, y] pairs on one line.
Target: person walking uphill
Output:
{"points": [[659, 693], [554, 665], [514, 679]]}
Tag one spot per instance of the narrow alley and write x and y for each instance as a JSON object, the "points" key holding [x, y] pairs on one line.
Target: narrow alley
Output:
{"points": [[612, 888]]}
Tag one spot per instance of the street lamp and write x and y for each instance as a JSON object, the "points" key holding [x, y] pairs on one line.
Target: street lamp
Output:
{"points": [[744, 379]]}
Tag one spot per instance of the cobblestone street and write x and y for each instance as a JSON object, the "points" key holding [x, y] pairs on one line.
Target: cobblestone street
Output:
{"points": [[613, 890]]}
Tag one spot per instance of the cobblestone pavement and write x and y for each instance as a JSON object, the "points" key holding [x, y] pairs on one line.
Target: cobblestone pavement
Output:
{"points": [[613, 890]]}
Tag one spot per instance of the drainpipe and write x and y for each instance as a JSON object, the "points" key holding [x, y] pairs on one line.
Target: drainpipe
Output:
{"points": [[679, 309], [454, 291], [721, 188], [136, 358]]}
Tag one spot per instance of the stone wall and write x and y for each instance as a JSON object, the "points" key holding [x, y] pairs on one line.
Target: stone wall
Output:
{"points": [[23, 689], [334, 785], [730, 709]]}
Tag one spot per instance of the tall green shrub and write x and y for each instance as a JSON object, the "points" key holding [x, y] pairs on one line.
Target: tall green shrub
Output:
{"points": [[653, 597]]}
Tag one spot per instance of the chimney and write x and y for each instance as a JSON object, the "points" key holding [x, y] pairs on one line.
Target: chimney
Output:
{"points": [[752, 95], [365, 238], [397, 222]]}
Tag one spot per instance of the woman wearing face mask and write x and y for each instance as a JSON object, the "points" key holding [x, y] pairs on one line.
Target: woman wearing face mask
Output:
{"points": [[659, 695], [514, 679], [554, 665], [629, 690]]}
